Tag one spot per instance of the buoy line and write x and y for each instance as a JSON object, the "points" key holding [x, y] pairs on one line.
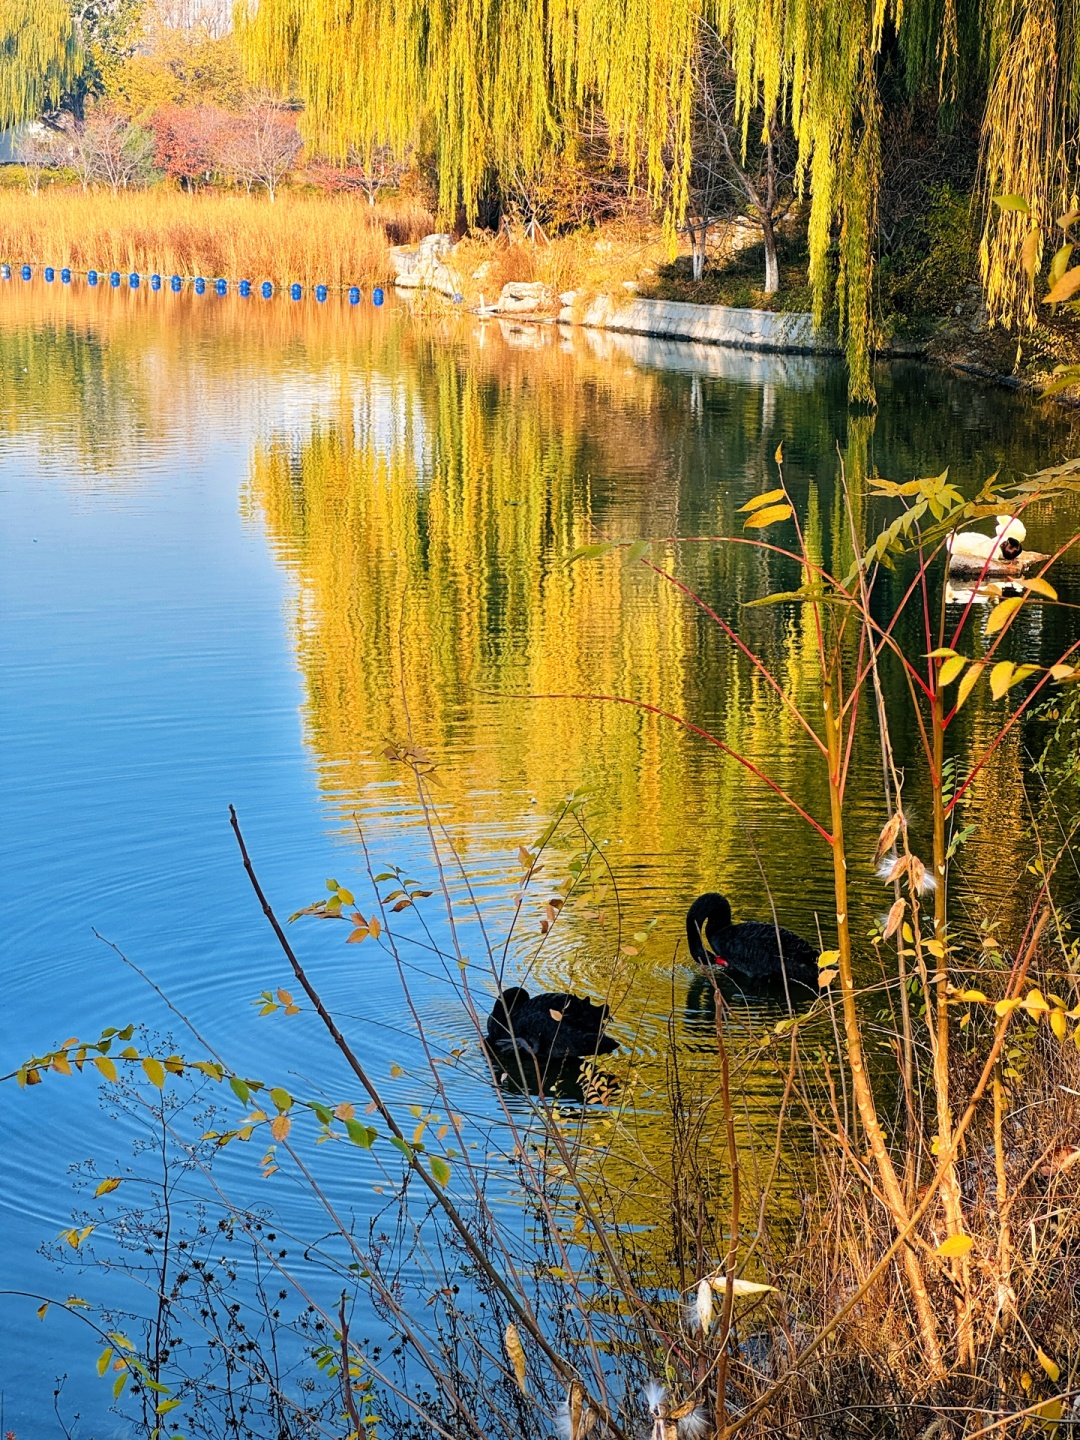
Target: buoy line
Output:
{"points": [[198, 283]]}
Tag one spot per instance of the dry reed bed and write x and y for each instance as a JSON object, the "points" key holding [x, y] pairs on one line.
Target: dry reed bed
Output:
{"points": [[333, 240]]}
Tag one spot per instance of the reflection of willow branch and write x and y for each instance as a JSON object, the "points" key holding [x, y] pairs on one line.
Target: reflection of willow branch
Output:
{"points": [[741, 645], [644, 705], [521, 1311]]}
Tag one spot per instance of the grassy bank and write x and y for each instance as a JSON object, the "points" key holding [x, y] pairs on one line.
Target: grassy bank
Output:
{"points": [[310, 238]]}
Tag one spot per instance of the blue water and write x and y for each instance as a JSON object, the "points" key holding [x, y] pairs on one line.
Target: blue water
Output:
{"points": [[150, 677]]}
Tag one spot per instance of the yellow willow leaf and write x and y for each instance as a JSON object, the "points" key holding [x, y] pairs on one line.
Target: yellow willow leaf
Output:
{"points": [[769, 516], [968, 683], [769, 498], [516, 1351], [106, 1066], [1029, 254], [107, 1186], [1001, 678], [955, 1246], [155, 1071], [280, 1127], [1060, 1026], [1038, 586], [1002, 613], [1065, 288], [951, 669], [1050, 1366]]}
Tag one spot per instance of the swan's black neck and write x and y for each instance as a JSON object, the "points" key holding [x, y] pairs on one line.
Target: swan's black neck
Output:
{"points": [[707, 916]]}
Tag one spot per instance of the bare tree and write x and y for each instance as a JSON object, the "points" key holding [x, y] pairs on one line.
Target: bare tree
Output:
{"points": [[726, 174], [109, 150], [39, 148], [260, 146]]}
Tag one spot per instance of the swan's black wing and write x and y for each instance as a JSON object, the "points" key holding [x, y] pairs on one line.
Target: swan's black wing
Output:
{"points": [[753, 958], [552, 1025]]}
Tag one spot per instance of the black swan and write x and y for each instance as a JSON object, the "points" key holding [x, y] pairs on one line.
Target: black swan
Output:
{"points": [[549, 1027], [748, 953]]}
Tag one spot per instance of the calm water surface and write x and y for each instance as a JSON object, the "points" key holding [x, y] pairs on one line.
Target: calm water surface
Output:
{"points": [[247, 546]]}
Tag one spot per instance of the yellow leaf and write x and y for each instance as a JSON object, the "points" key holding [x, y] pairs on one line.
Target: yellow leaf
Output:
{"points": [[42, 1309], [955, 1246], [941, 653], [1048, 1365], [769, 516], [280, 1127], [60, 1063], [1034, 1003], [778, 454], [1065, 288], [155, 1071], [1062, 672], [106, 1066], [1001, 677], [769, 498], [360, 933], [1038, 586], [344, 1111], [374, 928], [1006, 1007], [972, 995], [1002, 613], [107, 1186], [968, 683], [827, 958], [951, 669], [1029, 254], [935, 948], [396, 1072], [1060, 1026]]}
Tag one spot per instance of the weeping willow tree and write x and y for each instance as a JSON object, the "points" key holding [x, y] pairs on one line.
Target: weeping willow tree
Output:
{"points": [[39, 57]]}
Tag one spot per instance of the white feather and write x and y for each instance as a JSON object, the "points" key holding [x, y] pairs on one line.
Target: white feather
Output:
{"points": [[562, 1421], [655, 1394], [691, 1426]]}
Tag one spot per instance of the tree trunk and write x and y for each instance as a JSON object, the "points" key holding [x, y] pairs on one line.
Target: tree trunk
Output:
{"points": [[698, 236], [772, 265]]}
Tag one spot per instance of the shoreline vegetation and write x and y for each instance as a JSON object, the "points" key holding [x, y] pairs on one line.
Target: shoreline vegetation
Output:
{"points": [[343, 239]]}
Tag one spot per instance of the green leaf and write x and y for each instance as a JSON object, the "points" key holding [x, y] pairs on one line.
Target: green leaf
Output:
{"points": [[637, 550], [167, 1405], [239, 1089], [1012, 202], [360, 1134], [402, 1145], [591, 552], [440, 1170], [281, 1098]]}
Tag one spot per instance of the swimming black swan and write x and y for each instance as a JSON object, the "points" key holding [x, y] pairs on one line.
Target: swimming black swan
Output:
{"points": [[548, 1027], [748, 953]]}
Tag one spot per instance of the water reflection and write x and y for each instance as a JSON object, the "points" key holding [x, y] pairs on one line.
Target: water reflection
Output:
{"points": [[420, 481]]}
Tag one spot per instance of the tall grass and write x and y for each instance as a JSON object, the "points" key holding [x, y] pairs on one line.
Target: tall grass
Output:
{"points": [[333, 240]]}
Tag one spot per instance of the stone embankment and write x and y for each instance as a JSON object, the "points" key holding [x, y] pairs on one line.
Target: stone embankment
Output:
{"points": [[429, 266]]}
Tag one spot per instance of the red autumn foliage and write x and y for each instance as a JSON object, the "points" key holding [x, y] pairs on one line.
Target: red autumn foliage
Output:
{"points": [[188, 141]]}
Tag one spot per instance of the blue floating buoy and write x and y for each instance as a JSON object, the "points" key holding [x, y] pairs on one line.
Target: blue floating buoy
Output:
{"points": [[65, 276], [457, 297], [266, 289], [221, 286], [91, 277], [155, 282], [244, 288], [114, 278], [377, 296], [133, 281], [176, 284], [296, 291], [320, 293], [50, 274], [354, 294], [200, 285], [26, 272]]}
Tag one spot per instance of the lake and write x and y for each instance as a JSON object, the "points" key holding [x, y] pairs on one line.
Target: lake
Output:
{"points": [[250, 547]]}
